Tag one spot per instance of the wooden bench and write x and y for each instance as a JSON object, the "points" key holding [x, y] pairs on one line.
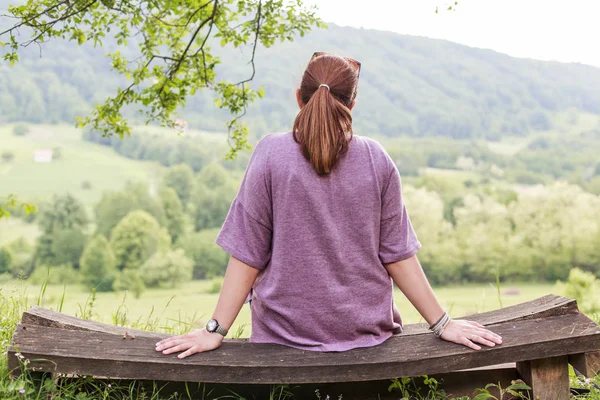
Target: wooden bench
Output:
{"points": [[540, 339]]}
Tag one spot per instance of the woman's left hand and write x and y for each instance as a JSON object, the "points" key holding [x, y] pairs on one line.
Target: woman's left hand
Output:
{"points": [[469, 333], [194, 342]]}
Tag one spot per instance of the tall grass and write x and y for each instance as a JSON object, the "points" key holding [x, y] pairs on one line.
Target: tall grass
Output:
{"points": [[28, 386]]}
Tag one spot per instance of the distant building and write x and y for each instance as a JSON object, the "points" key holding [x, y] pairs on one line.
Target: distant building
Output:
{"points": [[42, 156]]}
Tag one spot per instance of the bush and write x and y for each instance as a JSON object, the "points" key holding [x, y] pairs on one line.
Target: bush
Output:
{"points": [[582, 286], [167, 270], [6, 258], [209, 259], [54, 275], [67, 246], [22, 265], [7, 156], [215, 286], [136, 238], [98, 265], [131, 281], [20, 130]]}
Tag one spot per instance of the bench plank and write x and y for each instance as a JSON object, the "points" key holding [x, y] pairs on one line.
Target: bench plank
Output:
{"points": [[105, 354], [542, 307]]}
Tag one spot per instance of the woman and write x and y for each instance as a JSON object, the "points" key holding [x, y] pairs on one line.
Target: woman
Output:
{"points": [[317, 233]]}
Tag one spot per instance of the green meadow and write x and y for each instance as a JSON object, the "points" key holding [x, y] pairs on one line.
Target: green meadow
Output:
{"points": [[193, 304]]}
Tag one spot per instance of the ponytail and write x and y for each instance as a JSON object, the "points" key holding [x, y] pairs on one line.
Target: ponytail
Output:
{"points": [[323, 123], [320, 128]]}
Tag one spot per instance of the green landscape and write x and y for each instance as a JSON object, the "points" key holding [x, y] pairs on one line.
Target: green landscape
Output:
{"points": [[499, 158]]}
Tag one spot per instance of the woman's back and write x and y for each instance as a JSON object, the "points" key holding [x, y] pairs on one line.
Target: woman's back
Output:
{"points": [[320, 242]]}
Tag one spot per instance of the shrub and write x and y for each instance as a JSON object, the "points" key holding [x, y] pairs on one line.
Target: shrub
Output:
{"points": [[22, 265], [7, 156], [136, 238], [6, 258], [20, 130], [54, 275], [215, 286], [582, 286], [98, 265], [209, 259], [131, 281], [167, 269]]}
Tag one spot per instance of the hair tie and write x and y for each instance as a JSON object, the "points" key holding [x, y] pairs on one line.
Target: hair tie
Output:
{"points": [[324, 85]]}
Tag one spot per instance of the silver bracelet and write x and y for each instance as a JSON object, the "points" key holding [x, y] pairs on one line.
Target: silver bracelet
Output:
{"points": [[439, 327]]}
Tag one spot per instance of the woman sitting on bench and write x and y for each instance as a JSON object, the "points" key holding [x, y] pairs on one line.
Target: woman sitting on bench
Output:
{"points": [[319, 232]]}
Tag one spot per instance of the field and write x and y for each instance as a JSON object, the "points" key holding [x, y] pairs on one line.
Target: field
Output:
{"points": [[79, 162], [192, 304]]}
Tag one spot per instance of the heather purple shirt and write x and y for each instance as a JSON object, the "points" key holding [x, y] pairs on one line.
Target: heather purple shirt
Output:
{"points": [[320, 244]]}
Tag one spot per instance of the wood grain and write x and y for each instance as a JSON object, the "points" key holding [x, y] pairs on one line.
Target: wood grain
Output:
{"points": [[106, 354], [547, 377]]}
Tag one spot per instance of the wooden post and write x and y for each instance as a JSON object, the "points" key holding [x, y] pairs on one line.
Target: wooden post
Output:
{"points": [[587, 364], [548, 377]]}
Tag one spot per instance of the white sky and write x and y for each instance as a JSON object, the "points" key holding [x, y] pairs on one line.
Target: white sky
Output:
{"points": [[561, 30]]}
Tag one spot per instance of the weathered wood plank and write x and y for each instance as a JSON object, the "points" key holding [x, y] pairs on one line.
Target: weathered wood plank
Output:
{"points": [[587, 364], [44, 317], [544, 306], [548, 377], [99, 354]]}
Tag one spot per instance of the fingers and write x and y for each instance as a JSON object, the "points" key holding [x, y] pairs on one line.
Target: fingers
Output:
{"points": [[178, 348], [166, 341], [189, 352], [470, 344], [489, 335], [481, 340]]}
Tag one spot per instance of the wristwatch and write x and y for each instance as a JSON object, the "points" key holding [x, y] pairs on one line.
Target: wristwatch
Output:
{"points": [[213, 326]]}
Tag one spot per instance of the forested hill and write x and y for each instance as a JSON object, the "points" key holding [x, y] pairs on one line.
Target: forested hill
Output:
{"points": [[409, 86]]}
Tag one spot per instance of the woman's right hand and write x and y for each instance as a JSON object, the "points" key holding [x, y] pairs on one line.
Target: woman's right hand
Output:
{"points": [[469, 333]]}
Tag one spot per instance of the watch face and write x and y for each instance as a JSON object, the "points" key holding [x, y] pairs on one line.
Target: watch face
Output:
{"points": [[211, 326]]}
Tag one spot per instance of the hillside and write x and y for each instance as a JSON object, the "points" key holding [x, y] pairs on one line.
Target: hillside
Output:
{"points": [[410, 86], [83, 169]]}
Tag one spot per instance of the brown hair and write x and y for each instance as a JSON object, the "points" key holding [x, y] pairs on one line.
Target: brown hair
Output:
{"points": [[324, 121]]}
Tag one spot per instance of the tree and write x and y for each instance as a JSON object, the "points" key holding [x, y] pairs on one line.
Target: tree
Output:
{"points": [[67, 246], [113, 206], [175, 58], [213, 176], [6, 258], [167, 270], [131, 280], [210, 206], [181, 179], [173, 213], [98, 265], [63, 218], [136, 238], [208, 257]]}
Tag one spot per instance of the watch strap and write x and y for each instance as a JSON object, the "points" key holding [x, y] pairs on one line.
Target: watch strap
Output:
{"points": [[221, 330]]}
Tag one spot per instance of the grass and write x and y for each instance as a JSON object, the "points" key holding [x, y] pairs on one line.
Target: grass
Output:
{"points": [[176, 311], [80, 161], [193, 302]]}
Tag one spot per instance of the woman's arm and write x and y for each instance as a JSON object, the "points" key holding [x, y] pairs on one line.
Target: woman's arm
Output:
{"points": [[239, 278], [410, 278]]}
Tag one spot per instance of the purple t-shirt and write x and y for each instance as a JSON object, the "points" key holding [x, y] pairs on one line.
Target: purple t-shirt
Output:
{"points": [[320, 243]]}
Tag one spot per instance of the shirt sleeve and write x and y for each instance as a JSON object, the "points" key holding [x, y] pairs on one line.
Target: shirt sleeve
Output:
{"points": [[247, 231], [398, 241]]}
